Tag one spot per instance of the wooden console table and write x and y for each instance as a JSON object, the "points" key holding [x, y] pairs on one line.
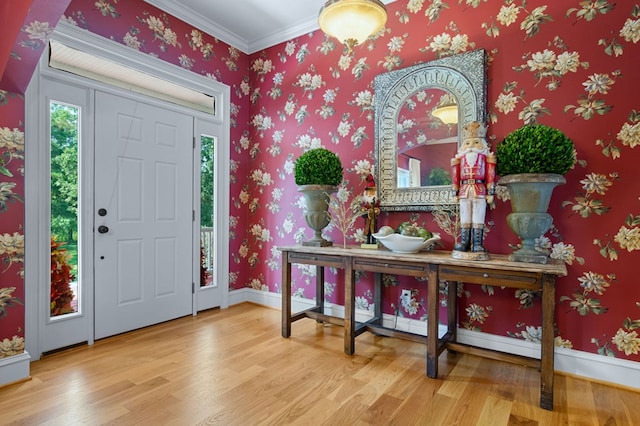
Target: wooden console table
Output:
{"points": [[435, 266]]}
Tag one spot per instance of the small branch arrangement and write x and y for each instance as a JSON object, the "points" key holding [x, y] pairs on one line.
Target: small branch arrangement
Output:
{"points": [[344, 212]]}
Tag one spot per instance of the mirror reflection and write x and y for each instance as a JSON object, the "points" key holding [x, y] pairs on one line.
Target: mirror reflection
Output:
{"points": [[427, 138], [418, 113]]}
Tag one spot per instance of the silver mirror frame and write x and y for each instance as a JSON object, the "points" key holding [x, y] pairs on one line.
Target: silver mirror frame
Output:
{"points": [[464, 76]]}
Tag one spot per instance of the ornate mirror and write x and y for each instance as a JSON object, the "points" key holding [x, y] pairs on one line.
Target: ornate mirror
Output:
{"points": [[419, 111]]}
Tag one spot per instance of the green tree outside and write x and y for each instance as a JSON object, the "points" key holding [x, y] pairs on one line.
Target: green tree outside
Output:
{"points": [[64, 172], [206, 182]]}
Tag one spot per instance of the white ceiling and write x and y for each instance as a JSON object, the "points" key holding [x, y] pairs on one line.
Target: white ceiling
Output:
{"points": [[249, 25]]}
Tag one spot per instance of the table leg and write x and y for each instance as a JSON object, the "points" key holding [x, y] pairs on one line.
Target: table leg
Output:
{"points": [[320, 288], [452, 310], [546, 369], [349, 308], [286, 295], [432, 322], [377, 298]]}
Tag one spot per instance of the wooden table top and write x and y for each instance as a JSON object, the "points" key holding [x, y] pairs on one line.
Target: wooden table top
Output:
{"points": [[439, 257]]}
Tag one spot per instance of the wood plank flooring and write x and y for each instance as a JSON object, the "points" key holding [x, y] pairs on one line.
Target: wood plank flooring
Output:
{"points": [[232, 367]]}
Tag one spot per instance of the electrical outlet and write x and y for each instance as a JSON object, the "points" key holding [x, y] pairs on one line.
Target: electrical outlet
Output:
{"points": [[405, 296]]}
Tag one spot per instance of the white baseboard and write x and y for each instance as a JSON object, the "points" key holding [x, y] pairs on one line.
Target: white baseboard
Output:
{"points": [[14, 368], [584, 364]]}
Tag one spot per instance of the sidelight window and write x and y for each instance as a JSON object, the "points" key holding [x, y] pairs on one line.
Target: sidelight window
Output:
{"points": [[64, 137], [207, 246]]}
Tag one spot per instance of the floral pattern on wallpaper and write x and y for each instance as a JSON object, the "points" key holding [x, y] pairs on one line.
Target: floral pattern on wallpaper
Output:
{"points": [[29, 43], [26, 50], [11, 237]]}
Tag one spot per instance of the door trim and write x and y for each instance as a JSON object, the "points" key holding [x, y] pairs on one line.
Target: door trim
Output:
{"points": [[37, 262]]}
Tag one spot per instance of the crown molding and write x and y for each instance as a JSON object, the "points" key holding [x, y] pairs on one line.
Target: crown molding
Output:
{"points": [[190, 17], [283, 35], [226, 35]]}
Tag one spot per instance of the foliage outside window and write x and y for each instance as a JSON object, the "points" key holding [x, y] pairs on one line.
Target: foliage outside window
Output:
{"points": [[206, 182], [206, 203], [61, 276], [64, 172], [64, 141]]}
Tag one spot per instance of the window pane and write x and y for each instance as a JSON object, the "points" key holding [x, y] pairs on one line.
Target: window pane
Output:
{"points": [[65, 290], [206, 211]]}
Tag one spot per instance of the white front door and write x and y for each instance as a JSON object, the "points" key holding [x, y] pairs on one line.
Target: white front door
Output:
{"points": [[141, 271], [143, 214]]}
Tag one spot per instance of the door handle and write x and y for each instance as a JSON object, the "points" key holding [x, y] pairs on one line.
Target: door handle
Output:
{"points": [[103, 229]]}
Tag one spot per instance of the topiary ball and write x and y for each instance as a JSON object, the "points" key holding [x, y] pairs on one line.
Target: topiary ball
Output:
{"points": [[318, 166], [535, 148]]}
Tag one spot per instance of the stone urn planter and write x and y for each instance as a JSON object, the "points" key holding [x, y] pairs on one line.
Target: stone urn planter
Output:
{"points": [[317, 173], [530, 195], [532, 161], [317, 212]]}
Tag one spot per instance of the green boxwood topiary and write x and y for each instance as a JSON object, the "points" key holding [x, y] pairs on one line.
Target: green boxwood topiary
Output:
{"points": [[535, 148], [318, 166]]}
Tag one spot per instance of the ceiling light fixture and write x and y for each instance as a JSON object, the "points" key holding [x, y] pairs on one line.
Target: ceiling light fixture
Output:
{"points": [[352, 21], [448, 114], [447, 109]]}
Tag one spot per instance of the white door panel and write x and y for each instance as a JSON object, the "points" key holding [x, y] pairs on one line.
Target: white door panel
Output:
{"points": [[143, 178]]}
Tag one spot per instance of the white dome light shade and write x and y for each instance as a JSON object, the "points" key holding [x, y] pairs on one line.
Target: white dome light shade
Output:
{"points": [[352, 21], [448, 114]]}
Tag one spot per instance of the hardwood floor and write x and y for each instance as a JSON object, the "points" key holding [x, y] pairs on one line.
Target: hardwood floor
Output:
{"points": [[232, 367]]}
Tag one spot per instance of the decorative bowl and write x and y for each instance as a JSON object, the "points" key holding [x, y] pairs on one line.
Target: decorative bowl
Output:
{"points": [[398, 243]]}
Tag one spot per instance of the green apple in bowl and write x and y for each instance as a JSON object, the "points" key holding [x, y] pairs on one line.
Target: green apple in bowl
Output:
{"points": [[424, 234]]}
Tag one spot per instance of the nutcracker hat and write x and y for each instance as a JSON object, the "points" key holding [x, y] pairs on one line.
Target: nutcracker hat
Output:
{"points": [[370, 181], [474, 130]]}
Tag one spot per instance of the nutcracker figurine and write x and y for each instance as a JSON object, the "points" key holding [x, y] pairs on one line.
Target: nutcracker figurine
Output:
{"points": [[474, 172], [370, 209]]}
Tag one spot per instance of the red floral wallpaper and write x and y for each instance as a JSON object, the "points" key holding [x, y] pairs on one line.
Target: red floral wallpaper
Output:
{"points": [[11, 224], [39, 21], [567, 64], [11, 16]]}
